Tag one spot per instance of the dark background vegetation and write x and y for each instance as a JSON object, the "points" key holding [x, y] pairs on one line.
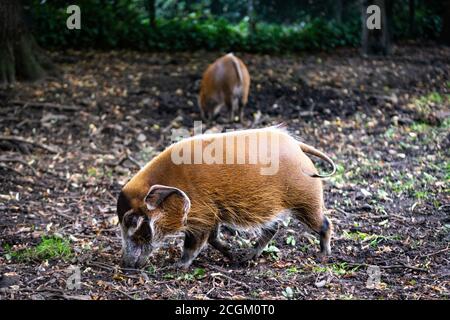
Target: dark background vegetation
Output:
{"points": [[280, 26]]}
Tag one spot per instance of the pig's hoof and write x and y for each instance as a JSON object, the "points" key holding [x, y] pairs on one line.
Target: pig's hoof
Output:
{"points": [[251, 256], [325, 252], [323, 257], [184, 266]]}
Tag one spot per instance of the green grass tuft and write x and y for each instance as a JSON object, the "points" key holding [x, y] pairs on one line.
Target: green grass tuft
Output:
{"points": [[50, 248]]}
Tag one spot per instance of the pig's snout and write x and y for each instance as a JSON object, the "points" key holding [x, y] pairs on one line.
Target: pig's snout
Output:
{"points": [[135, 259]]}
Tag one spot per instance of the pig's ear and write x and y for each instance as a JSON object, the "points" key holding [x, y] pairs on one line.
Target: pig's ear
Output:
{"points": [[158, 193]]}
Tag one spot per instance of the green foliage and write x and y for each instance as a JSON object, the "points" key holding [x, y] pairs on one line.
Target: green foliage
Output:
{"points": [[292, 270], [151, 269], [426, 103], [427, 20], [288, 293], [183, 26], [272, 250], [338, 177], [338, 269], [124, 24], [50, 248], [290, 240], [447, 171], [198, 273], [373, 240], [104, 24], [168, 276]]}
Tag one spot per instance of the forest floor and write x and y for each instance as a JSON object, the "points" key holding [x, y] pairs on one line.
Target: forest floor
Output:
{"points": [[385, 121]]}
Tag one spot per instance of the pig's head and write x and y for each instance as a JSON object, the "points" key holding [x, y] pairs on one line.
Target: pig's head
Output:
{"points": [[143, 228]]}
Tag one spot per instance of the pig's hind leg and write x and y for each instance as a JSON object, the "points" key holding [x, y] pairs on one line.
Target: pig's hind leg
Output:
{"points": [[267, 234], [234, 107], [241, 110], [318, 222], [325, 236]]}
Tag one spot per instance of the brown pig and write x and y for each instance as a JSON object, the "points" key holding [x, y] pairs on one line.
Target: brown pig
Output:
{"points": [[248, 180], [225, 82]]}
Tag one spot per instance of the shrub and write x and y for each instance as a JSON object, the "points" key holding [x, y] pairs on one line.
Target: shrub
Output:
{"points": [[125, 24]]}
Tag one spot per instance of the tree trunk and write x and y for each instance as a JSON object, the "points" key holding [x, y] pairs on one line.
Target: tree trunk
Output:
{"points": [[251, 18], [412, 17], [216, 8], [150, 5], [377, 41], [20, 56], [338, 11], [445, 33]]}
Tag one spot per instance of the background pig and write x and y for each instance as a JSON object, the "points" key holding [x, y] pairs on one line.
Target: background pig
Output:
{"points": [[225, 82]]}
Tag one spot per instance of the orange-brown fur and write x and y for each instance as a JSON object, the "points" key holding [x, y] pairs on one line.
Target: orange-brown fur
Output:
{"points": [[231, 194], [222, 85]]}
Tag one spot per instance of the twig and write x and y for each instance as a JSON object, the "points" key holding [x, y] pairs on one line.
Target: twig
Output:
{"points": [[4, 166], [309, 113], [62, 214], [76, 297], [102, 266], [54, 174], [341, 211], [119, 162], [124, 158], [115, 268], [109, 194], [411, 267], [35, 279], [105, 266], [3, 159], [50, 292], [11, 119], [396, 266], [134, 161], [47, 105], [26, 121], [219, 274], [124, 293], [33, 143], [435, 253]]}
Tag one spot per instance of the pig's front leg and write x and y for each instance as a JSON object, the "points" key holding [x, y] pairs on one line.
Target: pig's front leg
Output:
{"points": [[193, 244], [215, 241]]}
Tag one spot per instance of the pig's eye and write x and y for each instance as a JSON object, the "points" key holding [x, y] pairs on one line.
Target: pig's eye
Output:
{"points": [[130, 220], [144, 233]]}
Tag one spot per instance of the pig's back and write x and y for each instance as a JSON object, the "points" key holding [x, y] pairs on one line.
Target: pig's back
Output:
{"points": [[240, 193], [222, 74]]}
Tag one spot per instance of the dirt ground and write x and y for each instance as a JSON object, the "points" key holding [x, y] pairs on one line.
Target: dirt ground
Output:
{"points": [[385, 121]]}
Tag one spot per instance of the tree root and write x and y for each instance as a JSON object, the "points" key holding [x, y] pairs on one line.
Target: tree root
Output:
{"points": [[19, 140], [45, 105]]}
